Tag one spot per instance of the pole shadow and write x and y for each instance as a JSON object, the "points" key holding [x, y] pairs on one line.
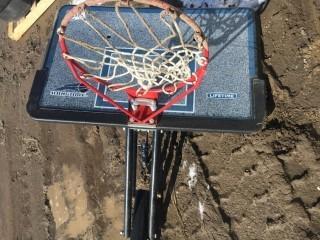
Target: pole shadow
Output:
{"points": [[171, 155]]}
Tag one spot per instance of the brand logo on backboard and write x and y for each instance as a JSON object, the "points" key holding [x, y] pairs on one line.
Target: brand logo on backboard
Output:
{"points": [[70, 90], [222, 96]]}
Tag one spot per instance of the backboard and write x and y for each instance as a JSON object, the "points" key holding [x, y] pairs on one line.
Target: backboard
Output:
{"points": [[231, 97]]}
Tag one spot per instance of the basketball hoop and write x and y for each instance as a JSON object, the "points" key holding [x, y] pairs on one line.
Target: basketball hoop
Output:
{"points": [[145, 72]]}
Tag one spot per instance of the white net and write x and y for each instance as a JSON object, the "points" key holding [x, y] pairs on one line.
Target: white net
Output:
{"points": [[161, 66]]}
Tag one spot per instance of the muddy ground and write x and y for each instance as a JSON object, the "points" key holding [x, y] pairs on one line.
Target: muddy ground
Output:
{"points": [[65, 181]]}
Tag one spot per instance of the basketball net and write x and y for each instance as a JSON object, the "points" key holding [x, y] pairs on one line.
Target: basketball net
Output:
{"points": [[162, 68]]}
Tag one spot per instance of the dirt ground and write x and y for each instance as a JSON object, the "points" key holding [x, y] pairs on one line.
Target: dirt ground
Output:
{"points": [[66, 181]]}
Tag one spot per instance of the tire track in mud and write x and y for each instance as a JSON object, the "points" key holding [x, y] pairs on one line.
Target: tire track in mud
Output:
{"points": [[191, 212], [214, 193], [33, 193], [301, 152], [297, 157], [297, 151]]}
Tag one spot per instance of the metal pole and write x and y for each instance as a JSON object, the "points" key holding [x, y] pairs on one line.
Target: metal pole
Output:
{"points": [[154, 184], [134, 161], [131, 143]]}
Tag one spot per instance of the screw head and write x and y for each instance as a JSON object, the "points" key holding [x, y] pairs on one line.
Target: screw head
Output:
{"points": [[131, 119]]}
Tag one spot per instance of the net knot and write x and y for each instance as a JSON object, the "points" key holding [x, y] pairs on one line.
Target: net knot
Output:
{"points": [[169, 13]]}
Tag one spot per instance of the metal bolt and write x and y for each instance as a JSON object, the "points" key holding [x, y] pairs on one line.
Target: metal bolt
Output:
{"points": [[151, 121], [159, 195], [122, 233]]}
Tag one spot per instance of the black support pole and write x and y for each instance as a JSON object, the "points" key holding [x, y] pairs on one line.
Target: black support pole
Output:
{"points": [[154, 184], [130, 181], [134, 161]]}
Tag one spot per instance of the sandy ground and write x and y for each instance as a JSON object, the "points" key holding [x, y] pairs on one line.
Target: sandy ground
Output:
{"points": [[66, 181]]}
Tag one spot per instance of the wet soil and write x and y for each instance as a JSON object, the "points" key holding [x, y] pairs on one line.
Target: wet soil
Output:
{"points": [[66, 181]]}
